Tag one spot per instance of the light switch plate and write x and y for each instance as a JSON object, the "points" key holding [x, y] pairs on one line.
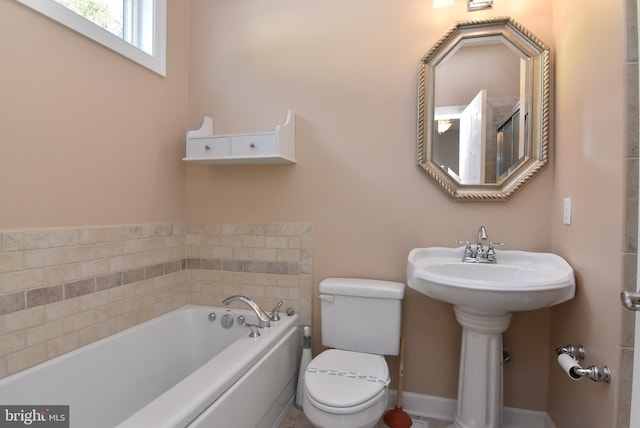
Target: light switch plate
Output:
{"points": [[566, 211]]}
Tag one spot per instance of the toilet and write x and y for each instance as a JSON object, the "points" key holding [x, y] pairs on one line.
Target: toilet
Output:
{"points": [[347, 386]]}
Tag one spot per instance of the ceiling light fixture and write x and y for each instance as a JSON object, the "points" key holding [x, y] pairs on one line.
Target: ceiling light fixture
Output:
{"points": [[444, 125], [479, 4]]}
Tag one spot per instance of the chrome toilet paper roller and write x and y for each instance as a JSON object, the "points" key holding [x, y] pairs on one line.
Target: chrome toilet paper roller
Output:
{"points": [[568, 360]]}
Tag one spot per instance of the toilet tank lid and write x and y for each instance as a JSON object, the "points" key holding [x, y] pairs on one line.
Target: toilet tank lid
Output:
{"points": [[363, 288]]}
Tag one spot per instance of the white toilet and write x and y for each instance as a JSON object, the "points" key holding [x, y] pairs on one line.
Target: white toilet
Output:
{"points": [[346, 387]]}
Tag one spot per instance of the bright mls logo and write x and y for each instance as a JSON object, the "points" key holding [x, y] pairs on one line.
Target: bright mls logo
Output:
{"points": [[34, 416]]}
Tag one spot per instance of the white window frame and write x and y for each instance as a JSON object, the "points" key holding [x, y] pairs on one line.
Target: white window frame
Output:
{"points": [[155, 61]]}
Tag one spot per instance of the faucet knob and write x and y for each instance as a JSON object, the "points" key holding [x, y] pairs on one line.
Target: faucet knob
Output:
{"points": [[255, 329], [467, 245]]}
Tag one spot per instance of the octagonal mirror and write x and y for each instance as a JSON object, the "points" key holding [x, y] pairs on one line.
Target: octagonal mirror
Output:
{"points": [[483, 109]]}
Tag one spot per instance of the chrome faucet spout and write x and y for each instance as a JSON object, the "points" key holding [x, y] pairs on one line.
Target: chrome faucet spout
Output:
{"points": [[482, 235], [264, 320]]}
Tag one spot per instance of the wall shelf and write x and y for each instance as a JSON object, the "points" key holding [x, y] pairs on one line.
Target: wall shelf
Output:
{"points": [[254, 148]]}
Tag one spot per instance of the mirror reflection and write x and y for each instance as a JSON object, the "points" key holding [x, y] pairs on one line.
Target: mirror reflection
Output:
{"points": [[481, 127]]}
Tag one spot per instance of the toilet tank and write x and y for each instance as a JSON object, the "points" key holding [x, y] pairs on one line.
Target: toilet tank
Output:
{"points": [[361, 315]]}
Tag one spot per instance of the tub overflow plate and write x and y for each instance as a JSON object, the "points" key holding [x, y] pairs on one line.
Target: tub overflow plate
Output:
{"points": [[226, 321]]}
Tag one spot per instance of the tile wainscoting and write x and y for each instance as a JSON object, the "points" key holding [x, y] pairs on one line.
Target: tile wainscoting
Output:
{"points": [[63, 288]]}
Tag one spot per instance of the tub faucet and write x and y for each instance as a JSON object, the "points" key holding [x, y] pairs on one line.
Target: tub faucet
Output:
{"points": [[264, 320]]}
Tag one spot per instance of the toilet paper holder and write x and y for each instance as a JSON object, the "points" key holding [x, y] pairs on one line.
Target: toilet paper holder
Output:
{"points": [[568, 359]]}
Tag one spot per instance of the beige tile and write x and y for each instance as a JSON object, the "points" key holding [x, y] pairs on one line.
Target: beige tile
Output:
{"points": [[42, 333], [243, 278], [62, 344], [79, 321], [134, 246], [625, 380], [289, 281], [62, 273], [93, 333], [11, 262], [267, 280], [278, 242], [288, 255], [61, 309], [163, 256], [26, 358], [294, 242], [267, 254], [24, 319], [94, 268], [13, 342], [22, 280], [92, 300], [254, 241], [48, 238], [222, 240], [153, 244], [244, 253], [279, 293], [78, 253], [109, 311], [43, 257], [222, 252]]}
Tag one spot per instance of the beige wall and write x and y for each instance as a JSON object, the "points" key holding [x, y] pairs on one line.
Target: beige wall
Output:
{"points": [[88, 137], [350, 73], [590, 131]]}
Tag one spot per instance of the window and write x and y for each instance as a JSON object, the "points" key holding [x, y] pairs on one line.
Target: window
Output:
{"points": [[133, 28]]}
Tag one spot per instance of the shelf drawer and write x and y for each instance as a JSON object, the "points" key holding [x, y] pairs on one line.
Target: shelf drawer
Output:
{"points": [[210, 147], [254, 145]]}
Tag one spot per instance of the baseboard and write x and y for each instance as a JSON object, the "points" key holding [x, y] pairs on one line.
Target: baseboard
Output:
{"points": [[430, 406]]}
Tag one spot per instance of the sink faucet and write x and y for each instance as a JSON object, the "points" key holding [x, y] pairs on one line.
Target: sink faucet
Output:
{"points": [[482, 236], [480, 254], [264, 320]]}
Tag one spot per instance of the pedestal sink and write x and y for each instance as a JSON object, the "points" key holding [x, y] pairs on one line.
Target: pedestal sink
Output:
{"points": [[484, 296]]}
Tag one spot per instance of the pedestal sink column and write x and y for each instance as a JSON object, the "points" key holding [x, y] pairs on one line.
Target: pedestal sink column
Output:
{"points": [[480, 377]]}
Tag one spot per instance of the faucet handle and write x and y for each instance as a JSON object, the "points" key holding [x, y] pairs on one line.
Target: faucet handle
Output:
{"points": [[275, 312], [492, 245], [255, 330], [466, 243], [467, 248], [491, 252]]}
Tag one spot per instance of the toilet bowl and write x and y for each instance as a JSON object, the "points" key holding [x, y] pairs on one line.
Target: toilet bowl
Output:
{"points": [[347, 387]]}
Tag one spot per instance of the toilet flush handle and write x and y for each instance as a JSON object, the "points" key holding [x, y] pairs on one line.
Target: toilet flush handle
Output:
{"points": [[327, 297]]}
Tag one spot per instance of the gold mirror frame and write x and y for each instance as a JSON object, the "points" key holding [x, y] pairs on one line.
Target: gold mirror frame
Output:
{"points": [[528, 46]]}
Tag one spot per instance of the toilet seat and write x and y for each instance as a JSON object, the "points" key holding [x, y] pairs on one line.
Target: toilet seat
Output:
{"points": [[344, 379]]}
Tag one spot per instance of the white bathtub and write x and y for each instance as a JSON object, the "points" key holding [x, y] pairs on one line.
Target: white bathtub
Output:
{"points": [[176, 370]]}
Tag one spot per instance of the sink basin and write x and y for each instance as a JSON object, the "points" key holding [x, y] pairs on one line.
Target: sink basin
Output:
{"points": [[519, 281]]}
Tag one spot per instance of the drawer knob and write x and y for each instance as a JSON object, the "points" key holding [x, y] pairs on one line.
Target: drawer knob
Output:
{"points": [[207, 147], [252, 145]]}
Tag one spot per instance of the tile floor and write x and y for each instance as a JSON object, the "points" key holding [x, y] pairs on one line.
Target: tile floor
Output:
{"points": [[296, 419]]}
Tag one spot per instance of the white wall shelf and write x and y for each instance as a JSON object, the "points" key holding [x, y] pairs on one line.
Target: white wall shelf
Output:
{"points": [[254, 148]]}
